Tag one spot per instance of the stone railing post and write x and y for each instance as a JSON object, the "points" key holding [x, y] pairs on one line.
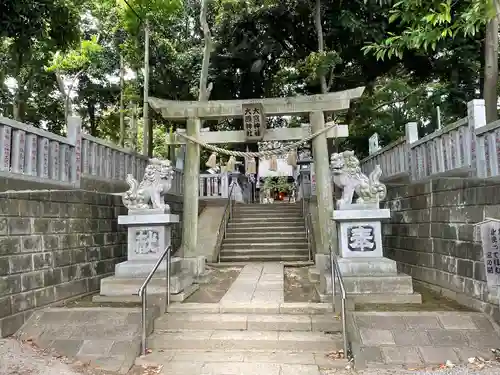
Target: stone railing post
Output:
{"points": [[476, 116], [411, 130], [373, 144], [75, 138]]}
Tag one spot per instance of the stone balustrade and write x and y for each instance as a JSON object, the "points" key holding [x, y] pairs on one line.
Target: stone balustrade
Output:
{"points": [[33, 154], [213, 186], [105, 160], [467, 147], [488, 150]]}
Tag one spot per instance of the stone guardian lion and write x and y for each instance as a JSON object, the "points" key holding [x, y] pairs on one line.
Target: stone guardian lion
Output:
{"points": [[150, 192], [347, 175]]}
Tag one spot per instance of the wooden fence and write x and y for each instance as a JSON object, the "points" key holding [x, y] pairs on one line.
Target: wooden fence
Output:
{"points": [[467, 147]]}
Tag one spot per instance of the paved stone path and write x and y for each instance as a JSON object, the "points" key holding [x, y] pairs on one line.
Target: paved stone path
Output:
{"points": [[417, 339], [106, 338], [259, 283], [250, 331]]}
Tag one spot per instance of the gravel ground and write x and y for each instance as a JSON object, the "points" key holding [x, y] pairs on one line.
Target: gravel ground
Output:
{"points": [[488, 369], [26, 359]]}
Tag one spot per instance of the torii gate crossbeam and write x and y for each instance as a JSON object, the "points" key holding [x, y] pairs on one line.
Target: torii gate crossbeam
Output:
{"points": [[314, 105]]}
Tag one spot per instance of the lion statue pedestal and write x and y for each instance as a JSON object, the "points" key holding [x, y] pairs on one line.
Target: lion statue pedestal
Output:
{"points": [[149, 224], [368, 275]]}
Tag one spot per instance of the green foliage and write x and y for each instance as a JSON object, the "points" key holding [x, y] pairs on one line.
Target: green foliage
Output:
{"points": [[319, 64], [257, 53], [279, 183], [76, 59], [422, 24]]}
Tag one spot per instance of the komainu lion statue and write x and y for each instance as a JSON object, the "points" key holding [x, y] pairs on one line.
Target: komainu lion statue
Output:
{"points": [[347, 175], [150, 192]]}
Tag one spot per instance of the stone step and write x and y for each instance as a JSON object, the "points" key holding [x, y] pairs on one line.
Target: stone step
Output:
{"points": [[265, 238], [292, 263], [245, 340], [223, 362], [267, 246], [256, 214], [269, 232], [271, 220], [268, 207], [118, 286], [266, 228], [380, 284], [265, 258], [294, 308], [247, 322], [261, 213], [263, 251]]}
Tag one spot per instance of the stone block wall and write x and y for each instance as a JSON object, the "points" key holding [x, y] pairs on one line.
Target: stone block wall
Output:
{"points": [[54, 245], [58, 244], [431, 234]]}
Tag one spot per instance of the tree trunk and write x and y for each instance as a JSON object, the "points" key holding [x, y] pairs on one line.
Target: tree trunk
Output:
{"points": [[321, 43], [134, 126], [67, 99], [122, 109], [147, 144], [16, 105], [205, 90], [491, 69]]}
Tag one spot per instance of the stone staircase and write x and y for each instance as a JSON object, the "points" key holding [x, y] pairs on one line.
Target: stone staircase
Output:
{"points": [[265, 232], [245, 339]]}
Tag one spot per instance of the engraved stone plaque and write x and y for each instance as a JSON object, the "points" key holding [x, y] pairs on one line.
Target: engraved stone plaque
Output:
{"points": [[490, 237], [361, 238], [147, 242]]}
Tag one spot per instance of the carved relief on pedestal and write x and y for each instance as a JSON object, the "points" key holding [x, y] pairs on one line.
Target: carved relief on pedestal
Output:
{"points": [[147, 242], [347, 175], [361, 238]]}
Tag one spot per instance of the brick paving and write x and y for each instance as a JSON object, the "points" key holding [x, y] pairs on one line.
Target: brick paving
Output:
{"points": [[414, 339]]}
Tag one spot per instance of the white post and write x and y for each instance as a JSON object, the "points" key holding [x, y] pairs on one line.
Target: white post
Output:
{"points": [[75, 138], [411, 130], [438, 115], [476, 114], [373, 144], [5, 144], [18, 150]]}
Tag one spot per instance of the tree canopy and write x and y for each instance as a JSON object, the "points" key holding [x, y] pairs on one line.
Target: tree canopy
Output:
{"points": [[86, 57]]}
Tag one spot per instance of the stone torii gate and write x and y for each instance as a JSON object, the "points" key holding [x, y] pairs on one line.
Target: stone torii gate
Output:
{"points": [[314, 105]]}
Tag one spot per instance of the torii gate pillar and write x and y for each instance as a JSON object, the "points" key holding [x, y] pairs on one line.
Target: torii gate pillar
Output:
{"points": [[191, 190], [324, 191]]}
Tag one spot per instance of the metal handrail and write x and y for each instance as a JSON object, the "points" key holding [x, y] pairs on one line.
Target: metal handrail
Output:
{"points": [[335, 270], [228, 212], [307, 220], [143, 291]]}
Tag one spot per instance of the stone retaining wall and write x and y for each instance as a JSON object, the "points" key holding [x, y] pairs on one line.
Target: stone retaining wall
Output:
{"points": [[58, 244], [432, 237]]}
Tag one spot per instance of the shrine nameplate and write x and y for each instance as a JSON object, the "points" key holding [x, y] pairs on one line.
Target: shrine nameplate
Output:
{"points": [[254, 121]]}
